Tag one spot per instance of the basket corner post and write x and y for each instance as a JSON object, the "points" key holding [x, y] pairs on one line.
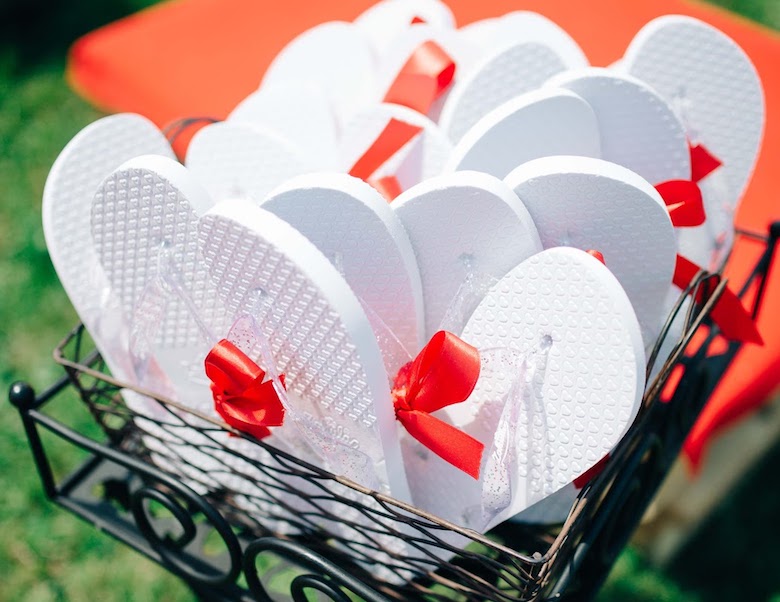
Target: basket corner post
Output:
{"points": [[21, 394]]}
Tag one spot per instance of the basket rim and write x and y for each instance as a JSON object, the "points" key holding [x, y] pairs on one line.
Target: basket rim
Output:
{"points": [[695, 316]]}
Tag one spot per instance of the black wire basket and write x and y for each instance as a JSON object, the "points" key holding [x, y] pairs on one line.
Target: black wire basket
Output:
{"points": [[299, 529]]}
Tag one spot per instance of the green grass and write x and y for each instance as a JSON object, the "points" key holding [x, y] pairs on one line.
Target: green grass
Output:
{"points": [[45, 553]]}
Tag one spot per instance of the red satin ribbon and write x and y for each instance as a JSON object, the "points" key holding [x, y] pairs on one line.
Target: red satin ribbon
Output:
{"points": [[423, 78], [597, 254], [703, 162], [590, 474], [392, 139], [684, 201], [686, 208], [729, 314], [388, 186], [427, 75], [444, 373], [241, 397]]}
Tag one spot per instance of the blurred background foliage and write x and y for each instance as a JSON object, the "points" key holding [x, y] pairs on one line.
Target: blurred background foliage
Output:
{"points": [[45, 553]]}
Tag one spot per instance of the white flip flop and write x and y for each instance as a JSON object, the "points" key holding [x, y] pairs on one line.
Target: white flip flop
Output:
{"points": [[236, 160], [468, 229], [537, 124], [355, 228], [593, 204]]}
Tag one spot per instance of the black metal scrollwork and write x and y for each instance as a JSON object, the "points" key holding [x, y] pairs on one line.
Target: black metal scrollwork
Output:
{"points": [[302, 583], [320, 574], [174, 550]]}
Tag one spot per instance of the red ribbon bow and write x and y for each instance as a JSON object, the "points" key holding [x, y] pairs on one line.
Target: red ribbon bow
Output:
{"points": [[427, 75], [729, 314], [703, 162], [683, 197], [684, 201], [444, 373], [241, 397]]}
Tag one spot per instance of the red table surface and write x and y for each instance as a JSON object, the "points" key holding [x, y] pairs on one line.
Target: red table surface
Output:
{"points": [[189, 58]]}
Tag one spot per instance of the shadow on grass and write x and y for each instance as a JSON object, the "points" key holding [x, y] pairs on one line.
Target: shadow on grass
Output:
{"points": [[734, 554]]}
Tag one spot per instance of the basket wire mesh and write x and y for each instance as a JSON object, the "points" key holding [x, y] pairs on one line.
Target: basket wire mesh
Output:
{"points": [[396, 549]]}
